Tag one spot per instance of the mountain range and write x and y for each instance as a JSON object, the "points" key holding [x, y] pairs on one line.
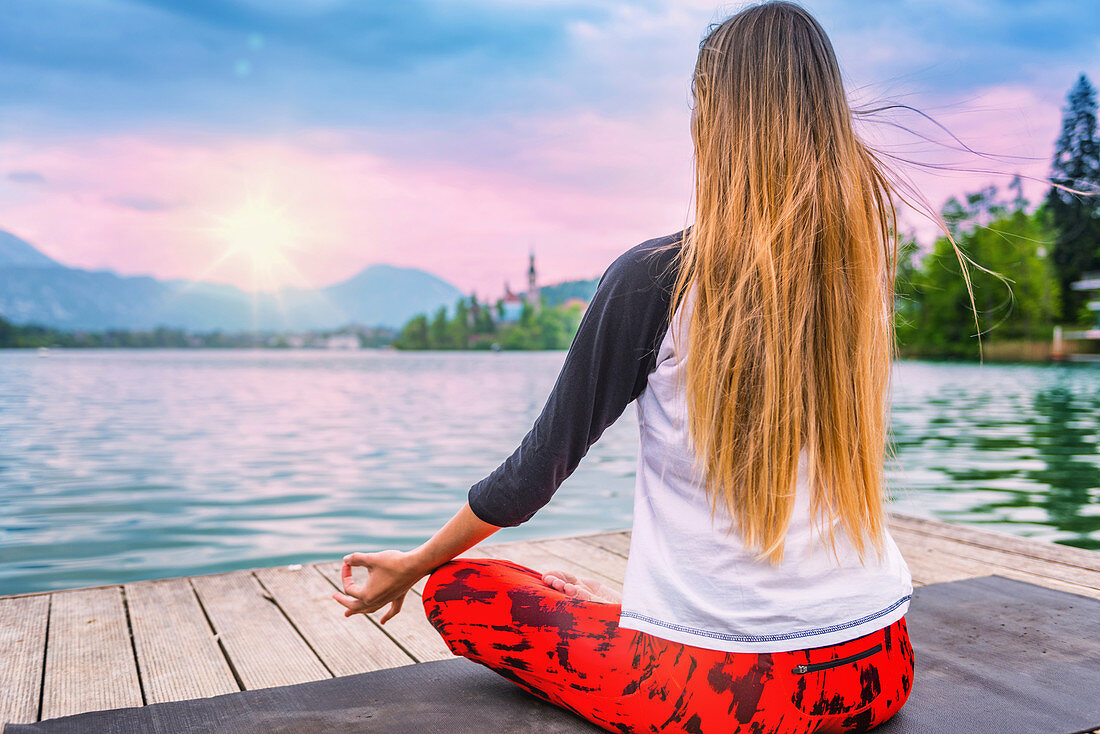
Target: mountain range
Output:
{"points": [[35, 289]]}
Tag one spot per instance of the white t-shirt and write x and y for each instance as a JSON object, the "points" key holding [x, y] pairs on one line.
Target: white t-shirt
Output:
{"points": [[689, 580]]}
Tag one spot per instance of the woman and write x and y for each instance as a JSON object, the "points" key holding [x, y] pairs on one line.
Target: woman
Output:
{"points": [[763, 592]]}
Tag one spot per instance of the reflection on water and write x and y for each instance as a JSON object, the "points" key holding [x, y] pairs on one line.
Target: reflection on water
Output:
{"points": [[117, 465], [1009, 447]]}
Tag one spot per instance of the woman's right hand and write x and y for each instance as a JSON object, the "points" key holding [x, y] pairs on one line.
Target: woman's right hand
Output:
{"points": [[390, 575]]}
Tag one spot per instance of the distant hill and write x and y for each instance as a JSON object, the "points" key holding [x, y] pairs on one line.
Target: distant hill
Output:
{"points": [[36, 289], [559, 293], [18, 252], [392, 294]]}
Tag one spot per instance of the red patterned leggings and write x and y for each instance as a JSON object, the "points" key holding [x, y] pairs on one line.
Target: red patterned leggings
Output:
{"points": [[573, 654]]}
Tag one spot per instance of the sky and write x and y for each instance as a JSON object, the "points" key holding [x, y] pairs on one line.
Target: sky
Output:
{"points": [[269, 143]]}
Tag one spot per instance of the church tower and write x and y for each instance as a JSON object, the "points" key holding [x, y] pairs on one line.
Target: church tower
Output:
{"points": [[532, 285]]}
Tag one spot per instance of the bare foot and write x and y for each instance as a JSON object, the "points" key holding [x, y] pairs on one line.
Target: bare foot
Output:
{"points": [[581, 588]]}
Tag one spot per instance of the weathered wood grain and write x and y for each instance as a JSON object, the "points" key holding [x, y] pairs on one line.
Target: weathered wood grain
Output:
{"points": [[263, 648], [177, 653], [410, 629], [600, 560], [934, 568], [1006, 559], [346, 645], [528, 553], [90, 662], [1026, 547], [615, 542], [945, 560], [22, 651]]}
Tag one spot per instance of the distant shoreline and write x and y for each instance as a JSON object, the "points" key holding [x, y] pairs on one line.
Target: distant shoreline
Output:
{"points": [[990, 358]]}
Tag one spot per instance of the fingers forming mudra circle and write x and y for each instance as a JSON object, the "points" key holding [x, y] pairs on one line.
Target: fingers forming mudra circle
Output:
{"points": [[367, 598]]}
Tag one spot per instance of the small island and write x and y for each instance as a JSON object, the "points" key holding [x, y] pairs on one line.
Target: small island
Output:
{"points": [[539, 318]]}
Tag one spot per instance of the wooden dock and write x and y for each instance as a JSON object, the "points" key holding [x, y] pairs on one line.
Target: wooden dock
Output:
{"points": [[67, 652]]}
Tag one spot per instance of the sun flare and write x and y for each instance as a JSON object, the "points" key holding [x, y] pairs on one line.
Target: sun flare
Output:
{"points": [[262, 234]]}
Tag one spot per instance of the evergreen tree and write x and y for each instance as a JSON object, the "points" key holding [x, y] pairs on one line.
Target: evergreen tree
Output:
{"points": [[458, 331], [1076, 217], [414, 335], [484, 322], [437, 330]]}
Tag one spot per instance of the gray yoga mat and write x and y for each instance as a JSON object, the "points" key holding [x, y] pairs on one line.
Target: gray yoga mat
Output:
{"points": [[992, 655], [998, 655]]}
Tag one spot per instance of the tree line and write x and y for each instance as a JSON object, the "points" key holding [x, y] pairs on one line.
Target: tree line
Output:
{"points": [[1017, 294], [1021, 264], [472, 326], [33, 336]]}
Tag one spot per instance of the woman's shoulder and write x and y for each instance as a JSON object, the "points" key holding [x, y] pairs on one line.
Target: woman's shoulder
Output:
{"points": [[647, 265]]}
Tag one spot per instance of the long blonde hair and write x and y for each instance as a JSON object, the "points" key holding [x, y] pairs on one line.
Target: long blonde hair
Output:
{"points": [[790, 260]]}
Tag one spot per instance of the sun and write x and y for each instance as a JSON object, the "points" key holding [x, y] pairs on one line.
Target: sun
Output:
{"points": [[262, 234]]}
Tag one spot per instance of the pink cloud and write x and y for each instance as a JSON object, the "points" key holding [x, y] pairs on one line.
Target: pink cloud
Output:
{"points": [[582, 192], [579, 189]]}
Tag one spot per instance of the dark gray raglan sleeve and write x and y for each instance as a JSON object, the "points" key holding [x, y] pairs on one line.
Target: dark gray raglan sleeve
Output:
{"points": [[607, 367]]}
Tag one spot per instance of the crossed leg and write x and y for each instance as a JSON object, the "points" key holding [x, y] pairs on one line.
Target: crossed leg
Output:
{"points": [[572, 653], [568, 651]]}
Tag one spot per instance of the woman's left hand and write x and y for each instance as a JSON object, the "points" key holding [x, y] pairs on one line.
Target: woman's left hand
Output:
{"points": [[390, 575]]}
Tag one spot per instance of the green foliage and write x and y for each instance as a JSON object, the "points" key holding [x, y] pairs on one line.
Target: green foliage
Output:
{"points": [[414, 335], [474, 328], [32, 336], [1015, 290], [559, 293], [1076, 217], [459, 328], [438, 335], [483, 322], [12, 336]]}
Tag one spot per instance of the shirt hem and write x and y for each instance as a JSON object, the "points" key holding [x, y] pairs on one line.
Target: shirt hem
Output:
{"points": [[779, 642]]}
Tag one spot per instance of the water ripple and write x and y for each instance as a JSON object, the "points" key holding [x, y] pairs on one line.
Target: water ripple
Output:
{"points": [[124, 465]]}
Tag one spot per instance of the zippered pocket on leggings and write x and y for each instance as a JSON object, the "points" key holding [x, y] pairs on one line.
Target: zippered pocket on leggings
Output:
{"points": [[813, 667]]}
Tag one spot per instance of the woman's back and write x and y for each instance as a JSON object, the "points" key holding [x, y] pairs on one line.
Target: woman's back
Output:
{"points": [[687, 578]]}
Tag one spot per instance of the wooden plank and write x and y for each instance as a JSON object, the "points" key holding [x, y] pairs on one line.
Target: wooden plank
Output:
{"points": [[940, 554], [1027, 547], [594, 537], [600, 560], [929, 567], [615, 542], [178, 654], [532, 556], [85, 658], [22, 652], [1005, 559], [89, 659], [410, 629], [263, 648], [346, 645], [953, 565]]}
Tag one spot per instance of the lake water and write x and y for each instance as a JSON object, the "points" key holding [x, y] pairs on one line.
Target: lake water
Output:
{"points": [[125, 465]]}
